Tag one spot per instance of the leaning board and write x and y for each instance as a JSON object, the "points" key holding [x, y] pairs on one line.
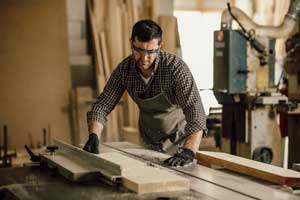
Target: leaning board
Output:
{"points": [[253, 168]]}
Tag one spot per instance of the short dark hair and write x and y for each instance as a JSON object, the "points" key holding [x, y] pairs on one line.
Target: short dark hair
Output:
{"points": [[146, 30]]}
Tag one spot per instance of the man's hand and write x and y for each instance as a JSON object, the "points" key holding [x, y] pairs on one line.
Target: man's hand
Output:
{"points": [[181, 158], [92, 145]]}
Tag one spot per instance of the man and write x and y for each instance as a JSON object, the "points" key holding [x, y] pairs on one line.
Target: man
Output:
{"points": [[171, 111]]}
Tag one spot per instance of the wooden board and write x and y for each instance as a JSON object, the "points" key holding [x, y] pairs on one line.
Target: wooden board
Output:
{"points": [[76, 164], [249, 167], [170, 34], [98, 57], [146, 179], [218, 184], [84, 95], [35, 72], [142, 178]]}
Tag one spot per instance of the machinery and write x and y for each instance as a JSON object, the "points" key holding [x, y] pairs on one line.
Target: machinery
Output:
{"points": [[244, 84], [41, 180]]}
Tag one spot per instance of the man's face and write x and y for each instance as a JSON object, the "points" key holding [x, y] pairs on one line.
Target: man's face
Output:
{"points": [[145, 52]]}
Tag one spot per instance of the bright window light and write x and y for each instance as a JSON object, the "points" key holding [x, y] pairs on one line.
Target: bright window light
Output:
{"points": [[196, 38]]}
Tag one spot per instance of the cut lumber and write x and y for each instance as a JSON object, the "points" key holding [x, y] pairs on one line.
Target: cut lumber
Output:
{"points": [[146, 179], [76, 164], [249, 167], [142, 178]]}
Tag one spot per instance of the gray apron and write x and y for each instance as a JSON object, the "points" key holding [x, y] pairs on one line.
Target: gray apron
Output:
{"points": [[161, 123]]}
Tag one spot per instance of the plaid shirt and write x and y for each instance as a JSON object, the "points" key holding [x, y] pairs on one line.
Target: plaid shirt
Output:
{"points": [[171, 75]]}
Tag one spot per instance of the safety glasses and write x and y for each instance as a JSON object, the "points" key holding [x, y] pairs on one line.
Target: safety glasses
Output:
{"points": [[145, 51]]}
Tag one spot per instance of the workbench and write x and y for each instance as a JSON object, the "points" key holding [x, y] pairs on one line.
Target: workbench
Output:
{"points": [[40, 182]]}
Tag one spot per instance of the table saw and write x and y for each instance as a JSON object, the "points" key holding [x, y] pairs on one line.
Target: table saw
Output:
{"points": [[42, 182]]}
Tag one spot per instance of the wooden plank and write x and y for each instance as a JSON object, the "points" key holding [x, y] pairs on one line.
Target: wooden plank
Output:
{"points": [[114, 33], [126, 26], [35, 42], [218, 184], [84, 95], [170, 34], [146, 179], [253, 168], [105, 58], [76, 164], [100, 11], [99, 63], [142, 178]]}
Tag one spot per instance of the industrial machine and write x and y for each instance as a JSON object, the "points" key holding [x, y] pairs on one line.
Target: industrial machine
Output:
{"points": [[244, 84]]}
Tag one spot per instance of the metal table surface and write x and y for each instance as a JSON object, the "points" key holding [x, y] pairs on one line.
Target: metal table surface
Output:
{"points": [[43, 183]]}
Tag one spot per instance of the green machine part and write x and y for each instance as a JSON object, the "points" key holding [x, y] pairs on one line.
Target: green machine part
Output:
{"points": [[230, 62]]}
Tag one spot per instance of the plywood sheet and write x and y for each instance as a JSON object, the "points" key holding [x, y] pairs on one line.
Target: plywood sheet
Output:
{"points": [[250, 167], [34, 70]]}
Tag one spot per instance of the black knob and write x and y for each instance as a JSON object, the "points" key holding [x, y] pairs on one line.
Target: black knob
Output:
{"points": [[52, 148]]}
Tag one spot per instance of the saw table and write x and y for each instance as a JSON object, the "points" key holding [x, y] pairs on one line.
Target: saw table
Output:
{"points": [[41, 182]]}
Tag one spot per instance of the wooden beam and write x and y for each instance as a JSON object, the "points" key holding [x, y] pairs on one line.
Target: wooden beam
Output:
{"points": [[98, 57], [249, 167]]}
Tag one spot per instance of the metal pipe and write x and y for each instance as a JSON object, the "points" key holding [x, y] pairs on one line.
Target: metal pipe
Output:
{"points": [[283, 30]]}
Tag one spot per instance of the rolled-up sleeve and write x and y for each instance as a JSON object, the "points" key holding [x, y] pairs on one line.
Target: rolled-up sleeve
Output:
{"points": [[108, 99], [188, 98]]}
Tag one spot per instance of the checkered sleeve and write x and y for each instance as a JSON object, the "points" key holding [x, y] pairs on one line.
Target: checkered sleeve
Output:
{"points": [[188, 97], [108, 99]]}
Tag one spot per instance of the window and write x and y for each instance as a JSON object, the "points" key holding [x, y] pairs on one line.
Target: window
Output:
{"points": [[196, 37]]}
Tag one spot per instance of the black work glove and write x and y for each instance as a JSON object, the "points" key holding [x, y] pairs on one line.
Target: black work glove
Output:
{"points": [[92, 145], [181, 158]]}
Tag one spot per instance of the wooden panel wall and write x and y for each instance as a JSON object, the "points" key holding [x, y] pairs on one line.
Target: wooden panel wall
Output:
{"points": [[34, 70]]}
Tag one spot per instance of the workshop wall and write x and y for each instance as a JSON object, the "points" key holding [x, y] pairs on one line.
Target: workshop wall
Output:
{"points": [[34, 71]]}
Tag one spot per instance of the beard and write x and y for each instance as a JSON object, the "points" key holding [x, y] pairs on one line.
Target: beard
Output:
{"points": [[145, 66]]}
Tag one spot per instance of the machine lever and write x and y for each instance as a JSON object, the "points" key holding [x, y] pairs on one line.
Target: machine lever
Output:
{"points": [[33, 157]]}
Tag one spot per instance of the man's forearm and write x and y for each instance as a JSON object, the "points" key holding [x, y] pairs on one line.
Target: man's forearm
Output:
{"points": [[95, 127], [193, 141]]}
